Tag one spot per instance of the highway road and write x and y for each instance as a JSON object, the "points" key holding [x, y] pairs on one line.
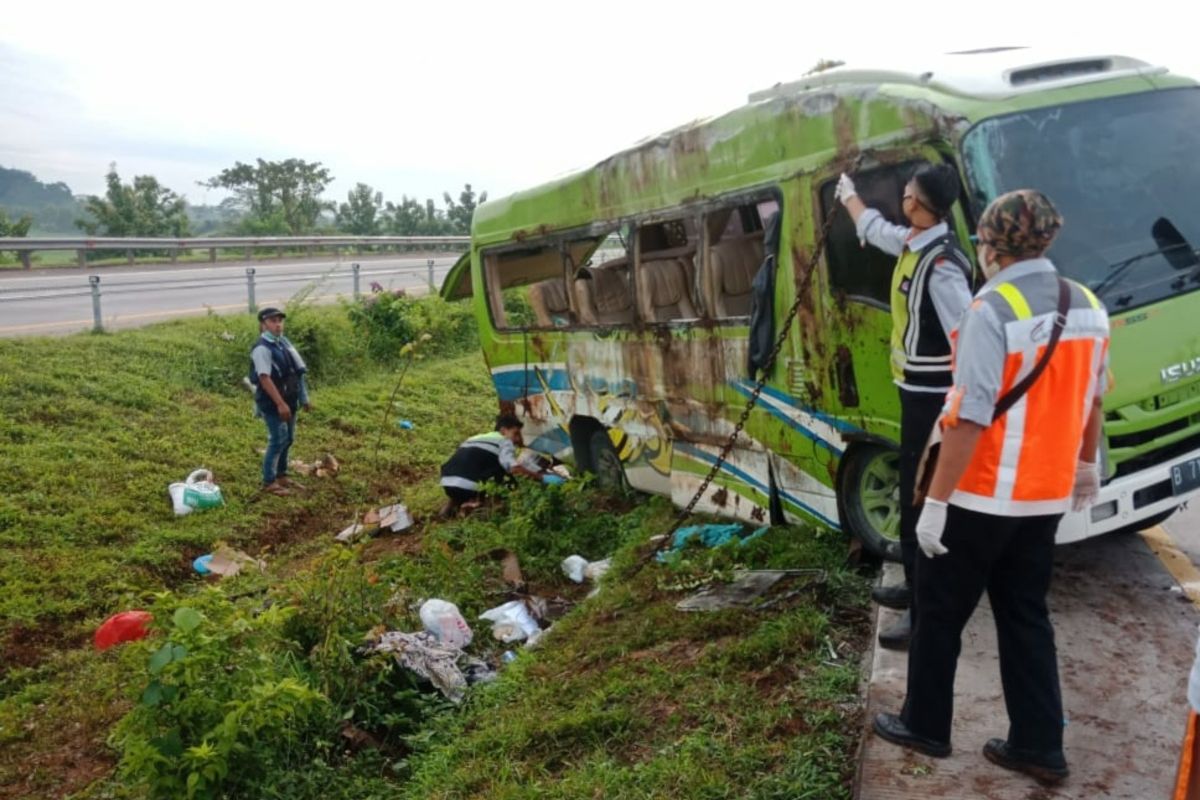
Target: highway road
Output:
{"points": [[58, 301]]}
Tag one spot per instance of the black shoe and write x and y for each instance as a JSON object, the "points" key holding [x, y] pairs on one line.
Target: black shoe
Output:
{"points": [[1047, 770], [891, 552], [898, 635], [897, 597], [893, 729]]}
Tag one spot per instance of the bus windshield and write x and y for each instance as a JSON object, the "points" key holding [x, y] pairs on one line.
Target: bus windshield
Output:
{"points": [[1125, 174]]}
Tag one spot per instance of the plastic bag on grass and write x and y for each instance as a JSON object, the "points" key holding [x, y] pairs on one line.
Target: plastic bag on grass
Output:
{"points": [[444, 621], [196, 492]]}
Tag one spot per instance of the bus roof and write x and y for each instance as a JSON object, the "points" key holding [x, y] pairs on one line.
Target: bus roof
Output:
{"points": [[823, 119]]}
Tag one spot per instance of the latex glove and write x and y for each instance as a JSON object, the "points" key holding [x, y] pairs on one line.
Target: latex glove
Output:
{"points": [[550, 479], [930, 527], [845, 189], [1087, 485]]}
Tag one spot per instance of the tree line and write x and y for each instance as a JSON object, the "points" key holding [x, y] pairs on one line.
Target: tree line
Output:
{"points": [[266, 198]]}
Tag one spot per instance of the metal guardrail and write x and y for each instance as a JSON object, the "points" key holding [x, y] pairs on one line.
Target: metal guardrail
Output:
{"points": [[251, 281], [83, 245]]}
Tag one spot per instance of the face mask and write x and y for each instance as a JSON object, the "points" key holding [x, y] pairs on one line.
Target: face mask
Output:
{"points": [[986, 262], [270, 337]]}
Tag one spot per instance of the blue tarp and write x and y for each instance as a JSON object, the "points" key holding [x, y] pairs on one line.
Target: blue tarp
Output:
{"points": [[710, 536]]}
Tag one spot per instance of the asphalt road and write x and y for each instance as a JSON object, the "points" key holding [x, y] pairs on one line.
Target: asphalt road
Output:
{"points": [[58, 301]]}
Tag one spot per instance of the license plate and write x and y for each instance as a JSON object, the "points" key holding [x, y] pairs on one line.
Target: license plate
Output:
{"points": [[1185, 476]]}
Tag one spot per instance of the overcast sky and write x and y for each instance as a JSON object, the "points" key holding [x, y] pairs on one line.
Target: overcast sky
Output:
{"points": [[415, 98]]}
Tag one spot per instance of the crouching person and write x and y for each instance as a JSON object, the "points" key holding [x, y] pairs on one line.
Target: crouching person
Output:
{"points": [[486, 457]]}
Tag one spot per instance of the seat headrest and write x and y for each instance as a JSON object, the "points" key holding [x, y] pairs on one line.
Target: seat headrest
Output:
{"points": [[610, 289], [554, 295], [666, 281], [735, 261]]}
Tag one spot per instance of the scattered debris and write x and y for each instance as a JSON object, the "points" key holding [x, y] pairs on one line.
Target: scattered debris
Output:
{"points": [[710, 536], [350, 533], [226, 336], [393, 518], [443, 620], [226, 562], [510, 567], [746, 588], [512, 621], [404, 424], [124, 626], [573, 567], [579, 569], [433, 661], [326, 467], [197, 491], [200, 564]]}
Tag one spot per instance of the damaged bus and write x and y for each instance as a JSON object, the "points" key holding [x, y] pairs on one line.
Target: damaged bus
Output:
{"points": [[613, 304]]}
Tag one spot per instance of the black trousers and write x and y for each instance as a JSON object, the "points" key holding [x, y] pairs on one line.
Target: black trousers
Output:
{"points": [[1012, 558], [919, 412]]}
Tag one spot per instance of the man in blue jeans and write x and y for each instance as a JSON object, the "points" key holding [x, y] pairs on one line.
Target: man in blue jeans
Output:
{"points": [[277, 372]]}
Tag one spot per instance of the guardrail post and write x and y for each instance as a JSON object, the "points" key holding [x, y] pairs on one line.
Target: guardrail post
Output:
{"points": [[212, 254], [97, 322], [279, 252], [355, 267], [175, 255], [26, 260], [429, 266], [250, 289], [129, 257], [81, 255]]}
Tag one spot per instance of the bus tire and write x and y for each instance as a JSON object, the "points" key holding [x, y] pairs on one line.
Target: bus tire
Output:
{"points": [[605, 463], [869, 492]]}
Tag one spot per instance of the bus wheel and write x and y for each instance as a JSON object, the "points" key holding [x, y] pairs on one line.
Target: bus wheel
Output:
{"points": [[870, 490], [606, 464]]}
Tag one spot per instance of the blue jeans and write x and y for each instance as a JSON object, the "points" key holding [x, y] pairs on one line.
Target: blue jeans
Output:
{"points": [[279, 438]]}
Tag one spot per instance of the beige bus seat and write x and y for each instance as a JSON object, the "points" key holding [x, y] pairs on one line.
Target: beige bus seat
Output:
{"points": [[551, 306], [735, 261], [664, 290], [604, 294]]}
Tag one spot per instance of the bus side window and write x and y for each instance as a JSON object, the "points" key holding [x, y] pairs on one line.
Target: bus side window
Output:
{"points": [[864, 273], [735, 253], [666, 270]]}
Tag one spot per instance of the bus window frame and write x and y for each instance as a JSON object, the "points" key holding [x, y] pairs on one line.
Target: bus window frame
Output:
{"points": [[910, 157]]}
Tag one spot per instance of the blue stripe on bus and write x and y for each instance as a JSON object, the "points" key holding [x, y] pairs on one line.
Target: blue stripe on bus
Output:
{"points": [[747, 478], [791, 423], [512, 385], [787, 399]]}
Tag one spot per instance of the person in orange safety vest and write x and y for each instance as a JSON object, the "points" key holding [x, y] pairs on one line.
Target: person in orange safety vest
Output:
{"points": [[1020, 433]]}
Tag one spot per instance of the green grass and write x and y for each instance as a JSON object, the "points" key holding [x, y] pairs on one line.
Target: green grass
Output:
{"points": [[626, 697]]}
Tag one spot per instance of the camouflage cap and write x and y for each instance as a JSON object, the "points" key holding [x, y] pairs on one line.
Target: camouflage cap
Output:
{"points": [[1022, 223]]}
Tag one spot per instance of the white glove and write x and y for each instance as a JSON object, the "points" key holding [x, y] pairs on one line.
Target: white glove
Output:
{"points": [[930, 527], [845, 189], [1087, 485]]}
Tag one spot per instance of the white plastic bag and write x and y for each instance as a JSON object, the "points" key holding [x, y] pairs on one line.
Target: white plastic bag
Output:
{"points": [[444, 621], [573, 567], [511, 622], [197, 492], [596, 569]]}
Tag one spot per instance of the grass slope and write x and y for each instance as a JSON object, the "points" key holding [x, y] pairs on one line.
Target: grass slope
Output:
{"points": [[627, 697]]}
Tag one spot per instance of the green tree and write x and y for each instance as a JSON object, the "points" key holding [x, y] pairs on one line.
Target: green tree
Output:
{"points": [[360, 214], [411, 217], [143, 208], [277, 194], [15, 228], [460, 214]]}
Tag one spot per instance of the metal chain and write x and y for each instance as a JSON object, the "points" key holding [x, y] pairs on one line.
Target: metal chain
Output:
{"points": [[801, 295]]}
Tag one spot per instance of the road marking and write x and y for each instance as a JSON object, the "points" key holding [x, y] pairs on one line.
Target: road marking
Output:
{"points": [[1179, 565]]}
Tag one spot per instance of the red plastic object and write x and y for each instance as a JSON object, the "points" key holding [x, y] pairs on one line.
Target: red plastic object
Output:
{"points": [[125, 626]]}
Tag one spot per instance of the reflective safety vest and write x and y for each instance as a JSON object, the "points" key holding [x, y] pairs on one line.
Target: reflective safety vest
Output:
{"points": [[476, 460], [920, 350], [1025, 461]]}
